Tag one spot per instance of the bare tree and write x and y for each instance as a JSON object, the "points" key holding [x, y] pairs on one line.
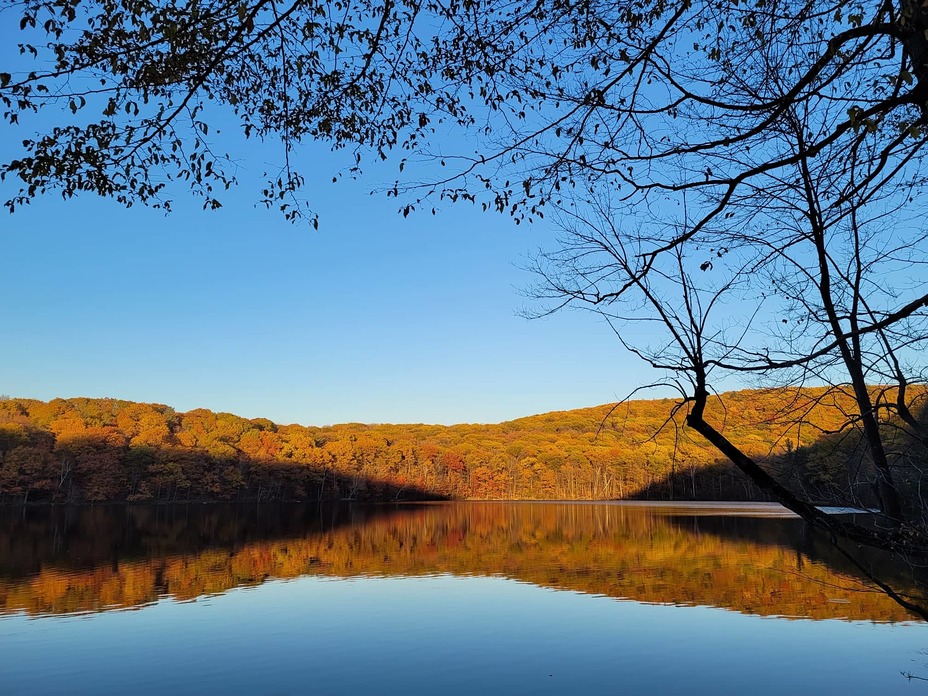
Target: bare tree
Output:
{"points": [[806, 299]]}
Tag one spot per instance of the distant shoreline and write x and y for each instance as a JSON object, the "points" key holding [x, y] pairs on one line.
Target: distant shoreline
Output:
{"points": [[93, 451]]}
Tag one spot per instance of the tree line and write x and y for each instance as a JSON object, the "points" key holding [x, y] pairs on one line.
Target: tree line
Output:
{"points": [[105, 450]]}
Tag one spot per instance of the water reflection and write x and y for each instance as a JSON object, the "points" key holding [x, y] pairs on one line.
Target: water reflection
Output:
{"points": [[58, 561]]}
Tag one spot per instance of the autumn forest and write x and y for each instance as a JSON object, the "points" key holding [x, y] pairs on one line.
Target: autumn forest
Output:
{"points": [[104, 450]]}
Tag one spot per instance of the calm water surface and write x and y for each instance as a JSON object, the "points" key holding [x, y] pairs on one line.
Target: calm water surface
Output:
{"points": [[444, 598]]}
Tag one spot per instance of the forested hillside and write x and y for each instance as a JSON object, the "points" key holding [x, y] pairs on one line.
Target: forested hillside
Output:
{"points": [[88, 450]]}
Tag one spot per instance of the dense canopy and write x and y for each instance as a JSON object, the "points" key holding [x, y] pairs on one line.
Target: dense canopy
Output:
{"points": [[91, 450]]}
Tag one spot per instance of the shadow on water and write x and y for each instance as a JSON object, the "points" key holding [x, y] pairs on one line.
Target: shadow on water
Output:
{"points": [[78, 538], [66, 559]]}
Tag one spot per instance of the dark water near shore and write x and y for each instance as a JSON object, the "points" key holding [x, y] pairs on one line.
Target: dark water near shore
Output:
{"points": [[453, 598]]}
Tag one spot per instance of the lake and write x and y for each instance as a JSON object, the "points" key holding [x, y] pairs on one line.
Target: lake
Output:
{"points": [[492, 598]]}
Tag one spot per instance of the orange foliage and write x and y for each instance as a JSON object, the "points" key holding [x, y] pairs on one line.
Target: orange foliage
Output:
{"points": [[607, 550], [104, 449]]}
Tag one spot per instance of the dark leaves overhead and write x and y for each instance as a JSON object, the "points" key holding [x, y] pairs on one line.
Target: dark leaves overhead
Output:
{"points": [[637, 96]]}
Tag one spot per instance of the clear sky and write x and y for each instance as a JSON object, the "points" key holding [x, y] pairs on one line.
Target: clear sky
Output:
{"points": [[373, 318]]}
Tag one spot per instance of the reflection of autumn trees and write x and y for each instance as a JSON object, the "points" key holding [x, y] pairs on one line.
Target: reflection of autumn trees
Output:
{"points": [[103, 449], [93, 559]]}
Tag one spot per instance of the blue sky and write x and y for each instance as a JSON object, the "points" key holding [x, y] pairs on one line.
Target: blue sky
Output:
{"points": [[373, 318]]}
